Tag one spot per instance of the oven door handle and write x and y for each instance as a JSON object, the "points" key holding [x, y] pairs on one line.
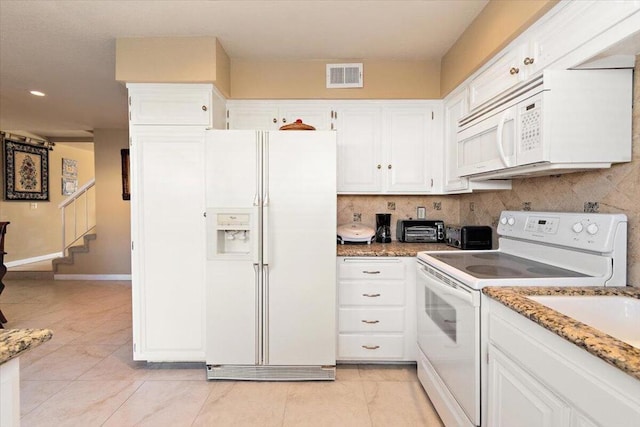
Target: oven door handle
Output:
{"points": [[457, 291]]}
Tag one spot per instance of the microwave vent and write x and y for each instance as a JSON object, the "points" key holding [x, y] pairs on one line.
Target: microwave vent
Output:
{"points": [[344, 76]]}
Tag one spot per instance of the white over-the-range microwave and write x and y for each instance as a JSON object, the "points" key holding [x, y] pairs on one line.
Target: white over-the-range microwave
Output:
{"points": [[562, 121]]}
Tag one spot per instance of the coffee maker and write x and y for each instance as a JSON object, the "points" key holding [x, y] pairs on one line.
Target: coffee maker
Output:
{"points": [[383, 228]]}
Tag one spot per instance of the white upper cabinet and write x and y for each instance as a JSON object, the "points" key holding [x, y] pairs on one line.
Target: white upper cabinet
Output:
{"points": [[170, 104], [409, 147], [568, 35], [359, 148], [271, 115], [388, 147]]}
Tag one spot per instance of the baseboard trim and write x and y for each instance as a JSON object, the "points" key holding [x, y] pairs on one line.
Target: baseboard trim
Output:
{"points": [[91, 277], [18, 262]]}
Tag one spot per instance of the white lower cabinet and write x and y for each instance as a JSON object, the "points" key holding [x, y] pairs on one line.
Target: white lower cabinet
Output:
{"points": [[536, 378], [376, 314]]}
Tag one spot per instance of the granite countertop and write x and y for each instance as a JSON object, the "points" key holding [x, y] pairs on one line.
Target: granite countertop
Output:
{"points": [[394, 248], [16, 341], [606, 347]]}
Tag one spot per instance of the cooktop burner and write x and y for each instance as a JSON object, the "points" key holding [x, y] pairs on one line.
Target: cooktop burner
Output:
{"points": [[499, 265]]}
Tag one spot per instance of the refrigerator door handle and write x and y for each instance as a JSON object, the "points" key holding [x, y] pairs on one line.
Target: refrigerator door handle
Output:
{"points": [[265, 235], [265, 169], [254, 236], [256, 197], [265, 314], [258, 333]]}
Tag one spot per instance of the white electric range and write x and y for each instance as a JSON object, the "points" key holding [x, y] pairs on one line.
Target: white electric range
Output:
{"points": [[535, 249]]}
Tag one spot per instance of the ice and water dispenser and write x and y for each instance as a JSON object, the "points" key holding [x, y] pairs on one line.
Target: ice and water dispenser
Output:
{"points": [[229, 233]]}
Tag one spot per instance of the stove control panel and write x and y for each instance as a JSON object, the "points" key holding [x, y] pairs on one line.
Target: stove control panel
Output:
{"points": [[590, 231]]}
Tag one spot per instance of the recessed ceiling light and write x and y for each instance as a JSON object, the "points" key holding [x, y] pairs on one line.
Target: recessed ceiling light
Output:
{"points": [[36, 93]]}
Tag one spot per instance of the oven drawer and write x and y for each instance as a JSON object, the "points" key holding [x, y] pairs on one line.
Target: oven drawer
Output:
{"points": [[371, 320], [371, 294], [362, 270], [364, 347]]}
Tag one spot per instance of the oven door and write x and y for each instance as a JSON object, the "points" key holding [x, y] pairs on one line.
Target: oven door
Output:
{"points": [[449, 337]]}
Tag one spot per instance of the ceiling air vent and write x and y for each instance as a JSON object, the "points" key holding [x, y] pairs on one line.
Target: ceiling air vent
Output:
{"points": [[344, 75]]}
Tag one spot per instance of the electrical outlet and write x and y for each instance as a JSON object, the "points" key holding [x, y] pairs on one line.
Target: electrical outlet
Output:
{"points": [[421, 212], [33, 205], [591, 207], [357, 217], [391, 206], [472, 206]]}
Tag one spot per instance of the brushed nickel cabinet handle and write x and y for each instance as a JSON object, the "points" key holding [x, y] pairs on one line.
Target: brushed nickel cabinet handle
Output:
{"points": [[371, 295], [284, 120], [275, 120], [528, 61], [204, 108], [370, 322], [514, 70], [379, 166], [371, 347], [388, 166]]}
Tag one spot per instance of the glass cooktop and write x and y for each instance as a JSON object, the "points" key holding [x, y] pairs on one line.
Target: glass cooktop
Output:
{"points": [[498, 265]]}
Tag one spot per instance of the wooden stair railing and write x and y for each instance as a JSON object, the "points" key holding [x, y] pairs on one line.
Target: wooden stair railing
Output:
{"points": [[3, 268]]}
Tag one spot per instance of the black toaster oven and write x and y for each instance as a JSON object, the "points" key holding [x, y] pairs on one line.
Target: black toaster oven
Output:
{"points": [[469, 236], [420, 231]]}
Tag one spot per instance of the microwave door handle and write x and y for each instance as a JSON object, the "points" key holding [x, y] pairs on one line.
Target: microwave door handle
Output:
{"points": [[503, 119]]}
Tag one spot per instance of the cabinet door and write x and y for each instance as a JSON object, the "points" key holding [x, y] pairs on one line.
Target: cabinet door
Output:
{"points": [[317, 116], [504, 73], [253, 117], [168, 243], [407, 143], [170, 104], [454, 108], [517, 399], [359, 149]]}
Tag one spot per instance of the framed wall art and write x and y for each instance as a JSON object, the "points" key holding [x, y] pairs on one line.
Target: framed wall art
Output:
{"points": [[69, 176], [26, 171]]}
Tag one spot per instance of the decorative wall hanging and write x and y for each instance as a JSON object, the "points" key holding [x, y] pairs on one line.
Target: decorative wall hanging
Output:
{"points": [[124, 156], [69, 176], [26, 171]]}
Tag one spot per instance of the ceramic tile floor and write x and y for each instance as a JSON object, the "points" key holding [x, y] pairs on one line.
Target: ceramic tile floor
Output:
{"points": [[85, 375]]}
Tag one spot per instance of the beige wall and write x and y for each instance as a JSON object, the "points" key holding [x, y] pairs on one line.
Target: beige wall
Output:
{"points": [[37, 232], [223, 71], [497, 25], [166, 59], [111, 251], [307, 80], [616, 190]]}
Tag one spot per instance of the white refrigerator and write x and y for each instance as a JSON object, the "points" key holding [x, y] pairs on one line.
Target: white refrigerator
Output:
{"points": [[271, 251]]}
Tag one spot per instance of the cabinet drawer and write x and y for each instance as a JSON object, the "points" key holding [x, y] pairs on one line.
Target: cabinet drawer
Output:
{"points": [[391, 269], [371, 294], [364, 347], [371, 320]]}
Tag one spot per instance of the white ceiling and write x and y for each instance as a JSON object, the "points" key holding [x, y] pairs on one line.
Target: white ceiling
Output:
{"points": [[67, 48]]}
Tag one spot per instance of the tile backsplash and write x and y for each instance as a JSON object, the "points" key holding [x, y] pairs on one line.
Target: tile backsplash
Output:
{"points": [[400, 207]]}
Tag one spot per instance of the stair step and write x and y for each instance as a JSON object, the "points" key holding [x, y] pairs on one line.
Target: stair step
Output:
{"points": [[72, 250]]}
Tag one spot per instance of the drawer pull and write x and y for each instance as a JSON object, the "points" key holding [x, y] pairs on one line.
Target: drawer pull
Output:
{"points": [[371, 295], [371, 347], [371, 272], [370, 322]]}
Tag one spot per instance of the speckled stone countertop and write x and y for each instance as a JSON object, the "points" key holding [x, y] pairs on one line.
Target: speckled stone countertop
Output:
{"points": [[394, 248], [16, 341], [611, 350]]}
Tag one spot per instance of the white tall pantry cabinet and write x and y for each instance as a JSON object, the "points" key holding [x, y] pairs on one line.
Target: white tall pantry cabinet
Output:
{"points": [[167, 130]]}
